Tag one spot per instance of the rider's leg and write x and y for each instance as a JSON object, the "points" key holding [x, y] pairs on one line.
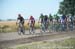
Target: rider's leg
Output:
{"points": [[30, 28], [33, 28], [62, 26], [19, 30], [71, 26], [42, 27], [22, 29]]}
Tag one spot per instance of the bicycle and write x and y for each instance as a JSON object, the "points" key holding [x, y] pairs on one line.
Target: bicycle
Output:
{"points": [[31, 28], [21, 28], [42, 27]]}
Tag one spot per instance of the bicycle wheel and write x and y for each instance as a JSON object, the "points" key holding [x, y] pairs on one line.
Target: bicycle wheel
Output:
{"points": [[23, 30], [31, 29], [19, 31], [42, 28]]}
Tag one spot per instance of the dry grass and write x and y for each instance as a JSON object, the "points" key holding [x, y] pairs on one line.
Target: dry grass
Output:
{"points": [[11, 25]]}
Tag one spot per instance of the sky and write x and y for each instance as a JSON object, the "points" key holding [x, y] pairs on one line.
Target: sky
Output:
{"points": [[9, 9]]}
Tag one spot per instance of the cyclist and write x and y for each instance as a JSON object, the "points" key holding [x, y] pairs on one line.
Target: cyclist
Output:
{"points": [[20, 22], [41, 20], [50, 18], [71, 22], [50, 23], [56, 23], [46, 22], [57, 18], [31, 24], [63, 22]]}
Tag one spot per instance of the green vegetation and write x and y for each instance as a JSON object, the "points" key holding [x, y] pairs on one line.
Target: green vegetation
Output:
{"points": [[63, 44], [67, 7]]}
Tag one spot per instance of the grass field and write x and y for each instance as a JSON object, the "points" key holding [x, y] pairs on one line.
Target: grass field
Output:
{"points": [[10, 26], [62, 44]]}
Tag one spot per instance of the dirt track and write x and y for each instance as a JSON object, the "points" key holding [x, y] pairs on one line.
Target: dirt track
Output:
{"points": [[32, 38]]}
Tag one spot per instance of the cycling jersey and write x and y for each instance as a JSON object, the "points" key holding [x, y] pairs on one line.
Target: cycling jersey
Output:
{"points": [[45, 18], [63, 17], [32, 20], [50, 18], [21, 19], [42, 18]]}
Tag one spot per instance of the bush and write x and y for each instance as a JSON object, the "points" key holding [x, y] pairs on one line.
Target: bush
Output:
{"points": [[3, 28]]}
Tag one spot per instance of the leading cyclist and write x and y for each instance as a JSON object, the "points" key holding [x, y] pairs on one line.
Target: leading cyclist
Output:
{"points": [[20, 22]]}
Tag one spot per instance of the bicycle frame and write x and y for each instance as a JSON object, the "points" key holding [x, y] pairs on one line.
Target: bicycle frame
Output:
{"points": [[31, 28], [21, 28]]}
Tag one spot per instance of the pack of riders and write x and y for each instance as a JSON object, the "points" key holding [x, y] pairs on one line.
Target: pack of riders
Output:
{"points": [[21, 19], [44, 19]]}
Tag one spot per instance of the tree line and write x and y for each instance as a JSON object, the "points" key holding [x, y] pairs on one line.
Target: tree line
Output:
{"points": [[67, 7]]}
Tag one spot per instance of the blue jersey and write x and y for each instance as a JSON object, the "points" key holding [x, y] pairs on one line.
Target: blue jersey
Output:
{"points": [[63, 17], [45, 18]]}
